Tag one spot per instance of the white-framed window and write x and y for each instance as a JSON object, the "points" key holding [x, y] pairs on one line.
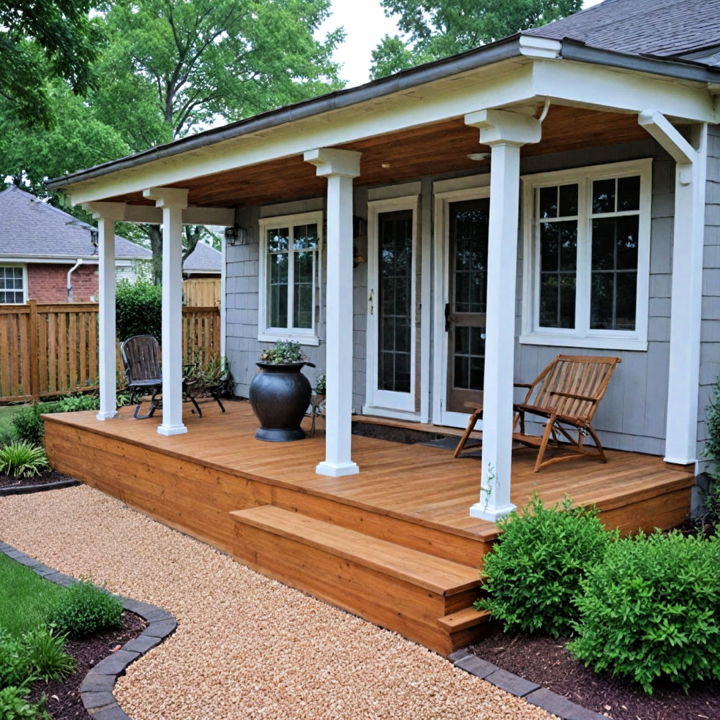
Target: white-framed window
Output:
{"points": [[587, 256], [13, 284], [290, 257]]}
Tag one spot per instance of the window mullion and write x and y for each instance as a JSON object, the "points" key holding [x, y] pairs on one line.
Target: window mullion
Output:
{"points": [[584, 260], [291, 278]]}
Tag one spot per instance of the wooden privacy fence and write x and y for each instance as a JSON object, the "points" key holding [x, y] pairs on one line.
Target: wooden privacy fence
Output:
{"points": [[201, 292], [48, 350]]}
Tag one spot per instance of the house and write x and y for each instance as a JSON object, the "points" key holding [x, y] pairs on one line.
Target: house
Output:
{"points": [[46, 254], [426, 237], [202, 272]]}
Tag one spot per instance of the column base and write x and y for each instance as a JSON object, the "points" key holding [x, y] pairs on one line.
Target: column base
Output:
{"points": [[172, 429], [106, 415], [337, 469], [490, 513]]}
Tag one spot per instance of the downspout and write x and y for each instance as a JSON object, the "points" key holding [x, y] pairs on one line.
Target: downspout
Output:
{"points": [[69, 279]]}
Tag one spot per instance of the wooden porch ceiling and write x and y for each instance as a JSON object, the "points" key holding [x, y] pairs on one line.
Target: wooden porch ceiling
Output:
{"points": [[426, 150]]}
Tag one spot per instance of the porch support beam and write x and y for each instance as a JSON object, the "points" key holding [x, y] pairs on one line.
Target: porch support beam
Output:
{"points": [[339, 167], [172, 201], [107, 213], [505, 132], [190, 216], [687, 266]]}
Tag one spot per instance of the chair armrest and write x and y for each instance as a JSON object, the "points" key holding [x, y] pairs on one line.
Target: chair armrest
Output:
{"points": [[574, 396], [525, 385]]}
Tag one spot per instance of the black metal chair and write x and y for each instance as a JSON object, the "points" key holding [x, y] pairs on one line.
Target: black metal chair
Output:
{"points": [[142, 361]]}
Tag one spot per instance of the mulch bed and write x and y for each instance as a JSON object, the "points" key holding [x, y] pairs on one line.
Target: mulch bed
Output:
{"points": [[547, 662], [63, 698], [49, 476]]}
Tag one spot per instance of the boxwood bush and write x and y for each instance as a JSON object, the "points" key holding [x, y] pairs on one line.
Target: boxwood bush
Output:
{"points": [[651, 610], [139, 307], [85, 609], [533, 573]]}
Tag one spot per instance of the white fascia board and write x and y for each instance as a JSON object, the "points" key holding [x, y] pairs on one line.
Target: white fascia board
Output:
{"points": [[442, 100], [604, 88]]}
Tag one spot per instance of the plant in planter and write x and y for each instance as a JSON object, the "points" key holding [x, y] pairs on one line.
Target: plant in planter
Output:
{"points": [[280, 393]]}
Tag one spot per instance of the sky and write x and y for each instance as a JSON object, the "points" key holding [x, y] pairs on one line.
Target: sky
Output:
{"points": [[365, 24]]}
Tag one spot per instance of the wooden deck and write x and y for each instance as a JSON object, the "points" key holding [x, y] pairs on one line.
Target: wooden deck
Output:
{"points": [[394, 544]]}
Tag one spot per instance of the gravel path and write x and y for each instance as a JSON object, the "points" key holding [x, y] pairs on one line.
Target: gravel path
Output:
{"points": [[246, 646]]}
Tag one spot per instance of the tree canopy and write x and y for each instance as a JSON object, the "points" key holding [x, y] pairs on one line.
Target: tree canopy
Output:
{"points": [[435, 29], [41, 38]]}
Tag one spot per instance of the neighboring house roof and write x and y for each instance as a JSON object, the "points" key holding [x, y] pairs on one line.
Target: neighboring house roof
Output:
{"points": [[32, 229], [203, 259], [665, 28]]}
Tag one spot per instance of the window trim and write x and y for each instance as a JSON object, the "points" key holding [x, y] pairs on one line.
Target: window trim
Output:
{"points": [[25, 288], [267, 333], [582, 336]]}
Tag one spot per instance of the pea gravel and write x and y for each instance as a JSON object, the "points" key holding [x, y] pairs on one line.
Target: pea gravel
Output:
{"points": [[246, 646]]}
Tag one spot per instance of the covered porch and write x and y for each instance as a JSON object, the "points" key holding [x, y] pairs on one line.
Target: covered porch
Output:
{"points": [[396, 545]]}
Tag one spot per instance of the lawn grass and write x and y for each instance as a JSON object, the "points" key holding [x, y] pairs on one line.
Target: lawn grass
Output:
{"points": [[6, 415], [25, 598]]}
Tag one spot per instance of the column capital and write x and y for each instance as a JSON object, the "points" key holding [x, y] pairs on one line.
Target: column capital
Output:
{"points": [[106, 210], [168, 197], [330, 161], [503, 127]]}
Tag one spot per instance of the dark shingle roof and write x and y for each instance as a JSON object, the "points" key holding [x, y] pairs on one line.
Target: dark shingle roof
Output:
{"points": [[665, 28], [30, 227], [203, 259]]}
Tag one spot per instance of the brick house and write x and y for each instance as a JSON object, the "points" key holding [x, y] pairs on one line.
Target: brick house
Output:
{"points": [[43, 250]]}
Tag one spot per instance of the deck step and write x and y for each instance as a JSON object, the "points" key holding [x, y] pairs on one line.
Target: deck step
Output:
{"points": [[419, 595]]}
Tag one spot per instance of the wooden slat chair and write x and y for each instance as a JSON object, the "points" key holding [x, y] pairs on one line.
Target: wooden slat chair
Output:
{"points": [[142, 360], [567, 393]]}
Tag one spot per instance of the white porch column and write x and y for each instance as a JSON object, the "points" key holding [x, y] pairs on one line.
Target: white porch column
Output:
{"points": [[687, 264], [107, 213], [172, 201], [339, 167], [505, 132]]}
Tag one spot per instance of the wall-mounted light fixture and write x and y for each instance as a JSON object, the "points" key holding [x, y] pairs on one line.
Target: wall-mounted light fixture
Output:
{"points": [[236, 235], [94, 240]]}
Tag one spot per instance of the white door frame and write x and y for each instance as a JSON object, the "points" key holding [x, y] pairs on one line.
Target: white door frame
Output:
{"points": [[476, 189], [385, 402]]}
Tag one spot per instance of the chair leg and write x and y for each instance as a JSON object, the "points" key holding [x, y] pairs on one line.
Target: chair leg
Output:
{"points": [[470, 427], [216, 397], [543, 444], [195, 405], [600, 451]]}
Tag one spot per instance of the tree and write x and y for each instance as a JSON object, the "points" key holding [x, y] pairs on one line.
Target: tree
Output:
{"points": [[177, 67], [439, 28], [38, 37]]}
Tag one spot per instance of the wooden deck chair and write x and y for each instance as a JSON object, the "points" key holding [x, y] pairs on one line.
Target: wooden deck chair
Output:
{"points": [[142, 361], [567, 393]]}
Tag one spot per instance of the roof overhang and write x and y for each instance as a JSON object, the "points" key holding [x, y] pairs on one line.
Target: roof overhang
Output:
{"points": [[518, 71]]}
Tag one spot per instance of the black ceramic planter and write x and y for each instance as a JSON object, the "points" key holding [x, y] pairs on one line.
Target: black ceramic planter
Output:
{"points": [[280, 396]]}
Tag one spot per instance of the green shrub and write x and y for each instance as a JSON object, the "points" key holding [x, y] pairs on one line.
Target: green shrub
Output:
{"points": [[23, 459], [73, 403], [85, 609], [534, 571], [138, 308], [14, 665], [45, 654], [651, 610], [28, 424], [14, 706]]}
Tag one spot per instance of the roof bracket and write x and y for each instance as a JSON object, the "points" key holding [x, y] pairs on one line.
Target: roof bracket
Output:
{"points": [[671, 140]]}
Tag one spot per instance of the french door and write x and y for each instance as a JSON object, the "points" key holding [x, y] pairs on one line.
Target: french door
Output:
{"points": [[460, 337], [391, 327]]}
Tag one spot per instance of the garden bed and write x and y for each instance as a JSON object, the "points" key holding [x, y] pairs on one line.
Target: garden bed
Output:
{"points": [[546, 661], [63, 697], [48, 477]]}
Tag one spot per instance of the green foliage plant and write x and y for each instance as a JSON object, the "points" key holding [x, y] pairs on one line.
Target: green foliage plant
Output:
{"points": [[321, 385], [23, 460], [73, 403], [85, 609], [45, 654], [14, 665], [283, 353], [28, 425], [139, 308], [15, 706], [650, 611], [533, 573]]}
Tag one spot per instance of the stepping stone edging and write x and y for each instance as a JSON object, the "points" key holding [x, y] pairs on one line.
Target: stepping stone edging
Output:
{"points": [[96, 690], [28, 489], [522, 688]]}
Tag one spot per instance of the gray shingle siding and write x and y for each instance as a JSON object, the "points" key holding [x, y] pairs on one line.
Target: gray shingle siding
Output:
{"points": [[632, 416], [710, 330]]}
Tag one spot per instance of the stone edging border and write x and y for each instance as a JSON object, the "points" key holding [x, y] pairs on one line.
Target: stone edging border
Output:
{"points": [[520, 687], [96, 690], [29, 489]]}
